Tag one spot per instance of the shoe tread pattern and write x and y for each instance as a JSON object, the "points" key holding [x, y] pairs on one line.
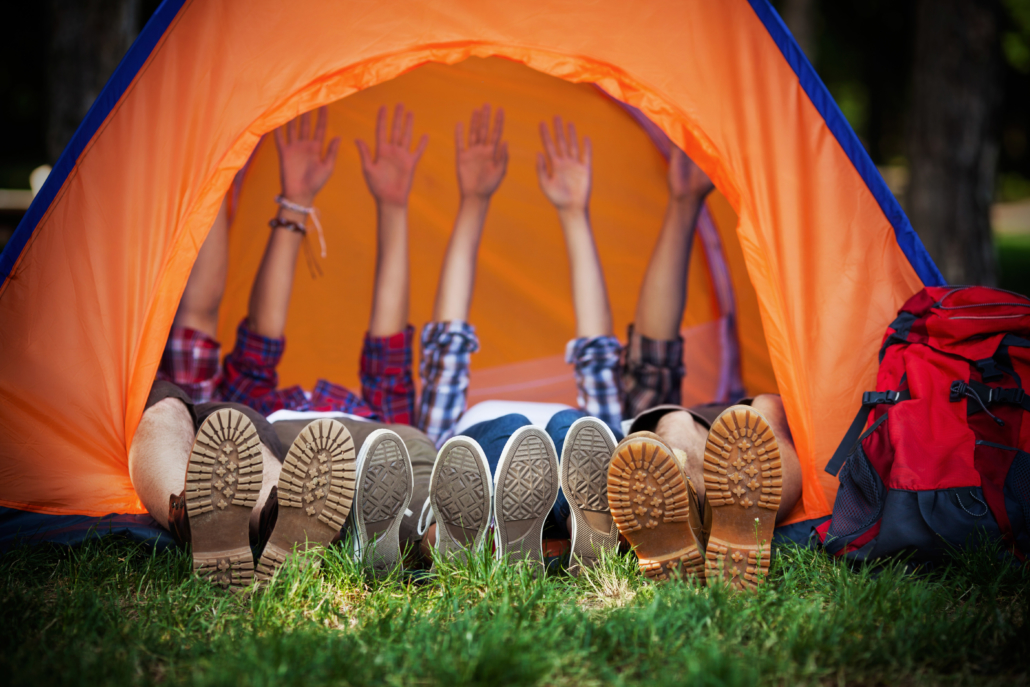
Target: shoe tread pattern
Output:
{"points": [[462, 494], [589, 459], [528, 485], [386, 485], [318, 474], [743, 482]]}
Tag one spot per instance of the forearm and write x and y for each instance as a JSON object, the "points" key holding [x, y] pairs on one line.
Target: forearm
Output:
{"points": [[589, 292], [458, 273], [198, 308], [663, 292], [270, 294], [390, 295]]}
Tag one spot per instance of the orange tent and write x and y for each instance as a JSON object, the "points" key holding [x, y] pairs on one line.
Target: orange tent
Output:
{"points": [[811, 247]]}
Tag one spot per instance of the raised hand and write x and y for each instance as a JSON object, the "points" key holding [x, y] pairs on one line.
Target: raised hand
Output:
{"points": [[390, 171], [483, 162], [686, 180], [303, 169], [564, 167]]}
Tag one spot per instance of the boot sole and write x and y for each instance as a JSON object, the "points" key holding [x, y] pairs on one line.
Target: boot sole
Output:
{"points": [[743, 481], [460, 492], [526, 486], [385, 481], [315, 491], [651, 506], [223, 479], [586, 456]]}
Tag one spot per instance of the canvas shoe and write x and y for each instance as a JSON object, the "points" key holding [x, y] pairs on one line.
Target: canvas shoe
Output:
{"points": [[461, 497], [652, 507], [525, 488], [584, 481], [385, 482], [223, 478], [743, 480], [315, 493]]}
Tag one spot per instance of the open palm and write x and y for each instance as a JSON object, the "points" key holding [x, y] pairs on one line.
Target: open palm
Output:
{"points": [[686, 180], [483, 162], [390, 171], [564, 167], [303, 169]]}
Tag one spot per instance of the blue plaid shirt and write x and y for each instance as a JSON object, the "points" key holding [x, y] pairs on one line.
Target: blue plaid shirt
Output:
{"points": [[447, 349]]}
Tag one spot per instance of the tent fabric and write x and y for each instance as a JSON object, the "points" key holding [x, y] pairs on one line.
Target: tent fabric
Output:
{"points": [[95, 271]]}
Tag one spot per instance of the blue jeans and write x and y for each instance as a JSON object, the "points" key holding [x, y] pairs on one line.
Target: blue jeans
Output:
{"points": [[492, 435]]}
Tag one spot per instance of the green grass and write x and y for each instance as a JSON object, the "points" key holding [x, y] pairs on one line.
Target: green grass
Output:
{"points": [[113, 613]]}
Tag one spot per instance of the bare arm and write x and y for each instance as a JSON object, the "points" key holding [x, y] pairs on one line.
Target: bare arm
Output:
{"points": [[663, 293], [198, 308], [564, 173], [481, 166], [389, 174], [303, 171]]}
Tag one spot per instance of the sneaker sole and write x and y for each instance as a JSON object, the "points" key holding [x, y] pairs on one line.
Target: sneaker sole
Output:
{"points": [[460, 492], [526, 486], [743, 481], [586, 456], [315, 491], [651, 506], [385, 481], [223, 479]]}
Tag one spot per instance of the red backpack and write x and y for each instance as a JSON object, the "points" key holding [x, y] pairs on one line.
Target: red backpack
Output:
{"points": [[944, 459]]}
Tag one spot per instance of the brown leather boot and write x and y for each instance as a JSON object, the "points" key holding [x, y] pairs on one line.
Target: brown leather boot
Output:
{"points": [[651, 504], [178, 522], [743, 481]]}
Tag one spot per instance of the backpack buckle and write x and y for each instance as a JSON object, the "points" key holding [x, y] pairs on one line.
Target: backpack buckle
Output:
{"points": [[873, 398], [998, 395], [988, 368]]}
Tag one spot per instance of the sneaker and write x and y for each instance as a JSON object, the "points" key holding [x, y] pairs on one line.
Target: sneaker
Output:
{"points": [[461, 494], [525, 488], [384, 484], [223, 479], [743, 480], [315, 492], [651, 505], [584, 481]]}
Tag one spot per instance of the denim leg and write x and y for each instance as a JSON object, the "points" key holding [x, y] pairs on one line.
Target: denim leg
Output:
{"points": [[558, 428], [492, 435]]}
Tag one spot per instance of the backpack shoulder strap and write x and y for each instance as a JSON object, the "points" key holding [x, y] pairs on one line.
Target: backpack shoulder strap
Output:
{"points": [[870, 400]]}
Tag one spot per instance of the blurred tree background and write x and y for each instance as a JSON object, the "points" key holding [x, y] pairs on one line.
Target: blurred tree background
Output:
{"points": [[937, 90]]}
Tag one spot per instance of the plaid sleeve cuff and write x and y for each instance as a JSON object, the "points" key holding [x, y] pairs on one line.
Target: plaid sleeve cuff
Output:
{"points": [[192, 361], [652, 372], [595, 363], [262, 350], [387, 385], [447, 349]]}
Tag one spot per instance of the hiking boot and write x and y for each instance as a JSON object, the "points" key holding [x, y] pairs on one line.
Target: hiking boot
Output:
{"points": [[525, 488], [223, 479], [584, 480], [651, 505], [384, 485], [461, 496], [743, 480], [315, 493]]}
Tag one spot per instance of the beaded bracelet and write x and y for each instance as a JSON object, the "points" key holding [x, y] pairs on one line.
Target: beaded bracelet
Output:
{"points": [[278, 222], [304, 210]]}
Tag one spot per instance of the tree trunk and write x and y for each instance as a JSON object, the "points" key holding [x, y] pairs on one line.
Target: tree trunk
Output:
{"points": [[953, 134], [799, 16], [88, 39]]}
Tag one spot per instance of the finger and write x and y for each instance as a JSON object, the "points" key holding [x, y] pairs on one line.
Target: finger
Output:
{"points": [[545, 136], [573, 143], [396, 131], [291, 131], [422, 143], [280, 138], [541, 168], [498, 127], [323, 123], [364, 153], [381, 129], [484, 124], [588, 153], [474, 128], [305, 127], [501, 156], [459, 136], [409, 128], [560, 144], [330, 153]]}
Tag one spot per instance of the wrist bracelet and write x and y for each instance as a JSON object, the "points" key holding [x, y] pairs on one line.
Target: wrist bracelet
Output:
{"points": [[301, 209], [278, 222]]}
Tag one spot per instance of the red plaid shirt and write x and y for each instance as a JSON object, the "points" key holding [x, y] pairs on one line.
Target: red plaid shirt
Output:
{"points": [[190, 361], [249, 376]]}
